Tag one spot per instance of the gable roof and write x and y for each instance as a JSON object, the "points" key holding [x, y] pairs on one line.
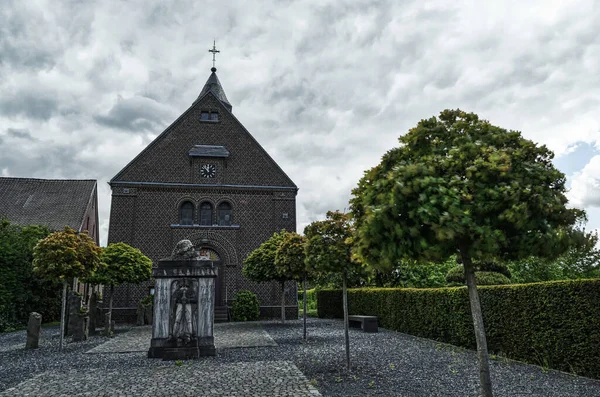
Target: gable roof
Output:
{"points": [[55, 203], [167, 130]]}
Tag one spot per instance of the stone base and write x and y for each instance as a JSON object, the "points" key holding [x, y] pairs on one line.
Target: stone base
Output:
{"points": [[167, 350]]}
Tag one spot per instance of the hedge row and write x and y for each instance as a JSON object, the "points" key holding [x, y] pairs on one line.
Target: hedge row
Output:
{"points": [[554, 324]]}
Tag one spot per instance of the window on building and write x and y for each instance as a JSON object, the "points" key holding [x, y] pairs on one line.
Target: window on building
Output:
{"points": [[206, 214], [207, 115], [186, 213], [224, 214]]}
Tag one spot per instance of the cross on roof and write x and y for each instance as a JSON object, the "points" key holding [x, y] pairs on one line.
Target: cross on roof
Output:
{"points": [[214, 51]]}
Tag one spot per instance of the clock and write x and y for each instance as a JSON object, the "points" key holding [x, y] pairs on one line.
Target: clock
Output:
{"points": [[208, 171]]}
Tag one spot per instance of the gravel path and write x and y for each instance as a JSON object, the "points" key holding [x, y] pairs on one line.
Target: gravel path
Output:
{"points": [[386, 363]]}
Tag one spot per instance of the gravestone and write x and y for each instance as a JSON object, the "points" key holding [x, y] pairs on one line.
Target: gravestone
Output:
{"points": [[184, 300], [34, 327], [74, 309], [92, 313]]}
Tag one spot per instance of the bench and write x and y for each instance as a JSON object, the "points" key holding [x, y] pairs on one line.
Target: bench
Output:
{"points": [[367, 323]]}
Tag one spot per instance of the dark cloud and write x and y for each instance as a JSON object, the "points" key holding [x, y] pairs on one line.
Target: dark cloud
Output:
{"points": [[32, 105], [134, 114], [17, 133]]}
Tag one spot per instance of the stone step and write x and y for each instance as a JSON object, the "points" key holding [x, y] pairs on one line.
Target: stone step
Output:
{"points": [[221, 315]]}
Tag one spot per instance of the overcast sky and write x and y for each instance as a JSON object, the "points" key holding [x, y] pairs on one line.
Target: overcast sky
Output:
{"points": [[326, 87]]}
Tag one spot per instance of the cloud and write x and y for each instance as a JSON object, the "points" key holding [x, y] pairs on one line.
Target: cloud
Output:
{"points": [[134, 114], [326, 87], [585, 185]]}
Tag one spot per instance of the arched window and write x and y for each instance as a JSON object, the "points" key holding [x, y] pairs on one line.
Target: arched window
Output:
{"points": [[206, 214], [186, 213], [224, 214]]}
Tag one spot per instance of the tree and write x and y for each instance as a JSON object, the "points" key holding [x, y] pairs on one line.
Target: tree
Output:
{"points": [[458, 184], [21, 291], [63, 256], [121, 263], [328, 250], [289, 261], [260, 266]]}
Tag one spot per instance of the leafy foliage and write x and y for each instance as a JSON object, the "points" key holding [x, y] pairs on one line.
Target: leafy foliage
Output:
{"points": [[122, 263], [329, 243], [457, 180], [21, 291], [259, 266], [66, 255], [456, 277], [553, 323], [245, 306], [412, 274], [290, 256]]}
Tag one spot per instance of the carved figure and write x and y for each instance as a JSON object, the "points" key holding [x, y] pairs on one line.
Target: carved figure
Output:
{"points": [[184, 250], [183, 318]]}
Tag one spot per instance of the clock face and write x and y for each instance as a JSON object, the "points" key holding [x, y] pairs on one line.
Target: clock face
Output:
{"points": [[208, 171]]}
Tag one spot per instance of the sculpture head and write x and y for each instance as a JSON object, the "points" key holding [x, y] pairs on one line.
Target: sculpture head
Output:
{"points": [[184, 250]]}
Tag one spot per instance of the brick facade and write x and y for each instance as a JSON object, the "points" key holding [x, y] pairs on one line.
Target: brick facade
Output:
{"points": [[147, 195]]}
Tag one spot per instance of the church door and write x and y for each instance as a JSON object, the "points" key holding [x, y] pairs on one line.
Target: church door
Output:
{"points": [[211, 254]]}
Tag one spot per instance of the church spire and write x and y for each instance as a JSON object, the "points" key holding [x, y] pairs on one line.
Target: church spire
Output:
{"points": [[213, 84]]}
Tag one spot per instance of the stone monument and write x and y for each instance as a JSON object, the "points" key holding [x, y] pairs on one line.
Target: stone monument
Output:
{"points": [[184, 300], [33, 331]]}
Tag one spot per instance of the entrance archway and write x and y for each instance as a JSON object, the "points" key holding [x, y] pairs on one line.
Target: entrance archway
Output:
{"points": [[208, 252]]}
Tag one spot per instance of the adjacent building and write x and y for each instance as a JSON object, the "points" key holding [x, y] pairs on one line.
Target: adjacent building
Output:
{"points": [[54, 203]]}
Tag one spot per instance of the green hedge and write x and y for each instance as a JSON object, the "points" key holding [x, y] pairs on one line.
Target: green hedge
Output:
{"points": [[311, 300], [554, 324]]}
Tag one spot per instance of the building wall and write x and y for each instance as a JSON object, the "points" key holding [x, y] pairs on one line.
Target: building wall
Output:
{"points": [[146, 197]]}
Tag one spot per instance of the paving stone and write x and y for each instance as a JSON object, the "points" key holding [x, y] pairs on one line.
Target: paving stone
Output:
{"points": [[194, 378], [227, 336]]}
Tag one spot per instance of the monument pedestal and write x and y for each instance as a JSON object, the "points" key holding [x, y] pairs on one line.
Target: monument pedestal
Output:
{"points": [[184, 301]]}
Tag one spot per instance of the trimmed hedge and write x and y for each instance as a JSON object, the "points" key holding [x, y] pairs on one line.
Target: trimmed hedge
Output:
{"points": [[554, 324]]}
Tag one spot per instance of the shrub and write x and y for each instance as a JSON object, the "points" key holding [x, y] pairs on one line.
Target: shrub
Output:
{"points": [[456, 277], [555, 324], [245, 306]]}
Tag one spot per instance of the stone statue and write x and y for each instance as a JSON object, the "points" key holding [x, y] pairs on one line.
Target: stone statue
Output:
{"points": [[184, 250], [183, 314]]}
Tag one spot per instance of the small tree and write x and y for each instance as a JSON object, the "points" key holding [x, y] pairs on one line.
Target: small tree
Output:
{"points": [[63, 256], [458, 184], [290, 261], [260, 266], [328, 251], [121, 263]]}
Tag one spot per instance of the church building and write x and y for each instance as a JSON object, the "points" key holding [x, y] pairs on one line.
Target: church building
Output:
{"points": [[206, 179]]}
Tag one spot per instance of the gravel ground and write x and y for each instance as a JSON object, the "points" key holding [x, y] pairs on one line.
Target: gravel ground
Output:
{"points": [[386, 363]]}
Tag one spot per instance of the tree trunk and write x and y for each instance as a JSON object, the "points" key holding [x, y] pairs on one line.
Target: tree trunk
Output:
{"points": [[305, 307], [283, 302], [345, 302], [110, 307], [63, 312], [482, 351]]}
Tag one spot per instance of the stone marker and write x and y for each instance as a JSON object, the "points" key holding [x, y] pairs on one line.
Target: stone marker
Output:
{"points": [[92, 313], [140, 314], [34, 327], [183, 321], [74, 309]]}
